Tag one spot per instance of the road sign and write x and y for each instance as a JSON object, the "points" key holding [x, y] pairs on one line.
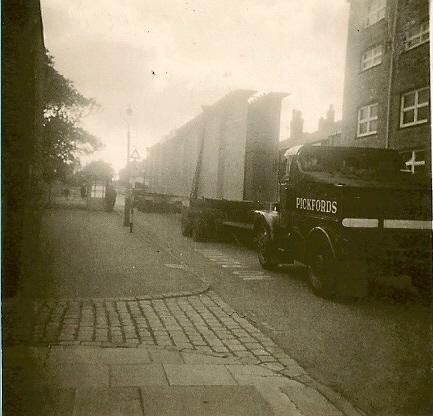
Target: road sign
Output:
{"points": [[135, 155]]}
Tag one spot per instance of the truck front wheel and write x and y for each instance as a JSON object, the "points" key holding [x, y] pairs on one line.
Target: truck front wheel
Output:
{"points": [[322, 270], [265, 248], [186, 225], [199, 229]]}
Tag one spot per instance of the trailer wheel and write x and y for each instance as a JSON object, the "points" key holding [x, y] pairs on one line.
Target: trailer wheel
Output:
{"points": [[186, 225], [322, 270], [265, 248], [199, 229]]}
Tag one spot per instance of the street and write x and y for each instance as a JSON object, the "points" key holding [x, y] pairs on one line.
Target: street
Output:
{"points": [[113, 323], [204, 215], [155, 288], [341, 345]]}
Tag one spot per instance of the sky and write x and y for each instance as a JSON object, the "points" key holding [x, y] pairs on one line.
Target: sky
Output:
{"points": [[165, 59]]}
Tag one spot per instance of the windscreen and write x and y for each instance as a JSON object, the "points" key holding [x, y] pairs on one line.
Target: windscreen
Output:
{"points": [[351, 163]]}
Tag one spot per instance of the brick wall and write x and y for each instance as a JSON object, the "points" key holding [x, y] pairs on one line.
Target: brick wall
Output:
{"points": [[410, 71]]}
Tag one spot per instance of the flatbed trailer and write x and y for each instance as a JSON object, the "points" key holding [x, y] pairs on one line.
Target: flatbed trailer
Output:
{"points": [[207, 219], [221, 166], [157, 202]]}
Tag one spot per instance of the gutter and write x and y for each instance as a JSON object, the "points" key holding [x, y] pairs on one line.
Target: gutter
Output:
{"points": [[390, 76]]}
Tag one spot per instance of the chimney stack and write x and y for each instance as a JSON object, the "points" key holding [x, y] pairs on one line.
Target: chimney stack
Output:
{"points": [[330, 115], [296, 125]]}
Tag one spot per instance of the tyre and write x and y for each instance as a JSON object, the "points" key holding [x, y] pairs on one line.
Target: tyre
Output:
{"points": [[186, 225], [322, 270], [265, 248], [199, 228]]}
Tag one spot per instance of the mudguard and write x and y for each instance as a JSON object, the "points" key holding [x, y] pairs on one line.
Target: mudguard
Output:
{"points": [[270, 218], [320, 232]]}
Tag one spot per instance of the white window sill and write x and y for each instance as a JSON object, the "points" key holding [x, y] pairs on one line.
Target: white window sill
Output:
{"points": [[370, 67], [416, 46], [366, 26], [415, 123], [360, 136]]}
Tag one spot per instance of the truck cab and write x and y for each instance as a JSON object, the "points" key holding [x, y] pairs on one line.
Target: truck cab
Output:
{"points": [[349, 214]]}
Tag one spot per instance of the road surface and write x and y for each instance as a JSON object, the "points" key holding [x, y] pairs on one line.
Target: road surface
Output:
{"points": [[376, 352]]}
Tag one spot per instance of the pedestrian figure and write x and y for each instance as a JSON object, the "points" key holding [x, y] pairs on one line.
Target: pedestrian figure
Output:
{"points": [[83, 191], [110, 197], [66, 193]]}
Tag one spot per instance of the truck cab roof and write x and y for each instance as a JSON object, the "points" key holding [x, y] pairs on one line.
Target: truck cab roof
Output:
{"points": [[352, 165], [311, 148]]}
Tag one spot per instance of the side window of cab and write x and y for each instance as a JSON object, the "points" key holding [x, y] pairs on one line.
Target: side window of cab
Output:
{"points": [[293, 170], [288, 169], [288, 164]]}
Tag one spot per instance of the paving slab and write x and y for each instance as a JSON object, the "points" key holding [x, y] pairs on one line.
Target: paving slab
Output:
{"points": [[257, 380], [125, 356], [309, 401], [238, 370], [204, 401], [24, 356], [195, 358], [137, 375], [280, 403], [165, 356], [198, 375], [37, 401], [108, 402], [63, 375], [73, 354], [58, 402]]}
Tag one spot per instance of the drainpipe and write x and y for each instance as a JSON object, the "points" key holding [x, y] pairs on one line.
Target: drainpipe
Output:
{"points": [[390, 75]]}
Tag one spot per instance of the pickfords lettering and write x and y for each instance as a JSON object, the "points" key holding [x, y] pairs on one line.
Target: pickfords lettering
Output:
{"points": [[319, 205]]}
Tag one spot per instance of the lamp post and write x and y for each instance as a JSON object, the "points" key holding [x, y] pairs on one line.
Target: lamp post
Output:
{"points": [[128, 136], [128, 201]]}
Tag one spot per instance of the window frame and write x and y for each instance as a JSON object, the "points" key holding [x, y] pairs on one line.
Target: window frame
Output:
{"points": [[420, 33], [412, 163], [372, 48], [414, 107], [367, 120], [370, 11], [97, 190]]}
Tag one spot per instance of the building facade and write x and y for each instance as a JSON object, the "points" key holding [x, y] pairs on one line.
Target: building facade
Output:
{"points": [[23, 57], [328, 132], [387, 80]]}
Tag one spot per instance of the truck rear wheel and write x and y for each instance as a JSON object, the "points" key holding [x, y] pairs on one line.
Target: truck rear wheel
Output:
{"points": [[199, 229], [186, 225], [322, 270], [265, 248]]}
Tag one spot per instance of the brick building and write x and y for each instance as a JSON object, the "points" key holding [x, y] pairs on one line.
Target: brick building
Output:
{"points": [[23, 55], [386, 94]]}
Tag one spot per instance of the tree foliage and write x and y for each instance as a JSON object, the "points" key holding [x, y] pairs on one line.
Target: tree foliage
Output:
{"points": [[134, 169], [63, 137], [98, 169]]}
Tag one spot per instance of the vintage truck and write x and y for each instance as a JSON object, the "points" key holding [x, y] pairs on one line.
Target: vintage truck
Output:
{"points": [[349, 214]]}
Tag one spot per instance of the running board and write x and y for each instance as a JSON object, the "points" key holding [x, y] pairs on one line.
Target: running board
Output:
{"points": [[239, 225]]}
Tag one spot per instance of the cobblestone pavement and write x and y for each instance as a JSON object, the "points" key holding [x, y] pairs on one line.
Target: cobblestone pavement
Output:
{"points": [[202, 323], [208, 341]]}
